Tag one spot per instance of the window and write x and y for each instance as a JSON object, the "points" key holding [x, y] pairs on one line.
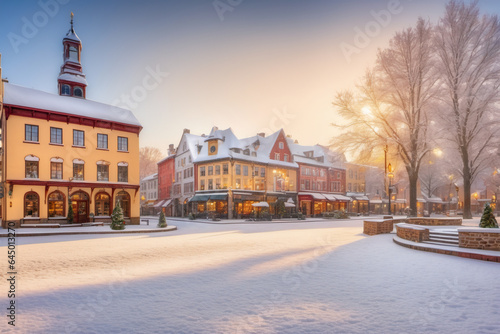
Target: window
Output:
{"points": [[217, 170], [123, 144], [202, 171], [31, 133], [210, 184], [124, 199], [102, 141], [202, 184], [56, 171], [78, 138], [31, 204], [210, 170], [276, 156], [217, 184], [285, 157], [281, 145], [256, 171], [65, 90], [322, 172], [102, 172], [78, 92], [238, 183], [55, 135], [78, 171], [56, 204], [245, 170], [307, 185], [263, 172], [73, 54], [238, 169], [348, 187], [302, 185], [31, 167], [102, 204], [225, 169], [122, 173]]}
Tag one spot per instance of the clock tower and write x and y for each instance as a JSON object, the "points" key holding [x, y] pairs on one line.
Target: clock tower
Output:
{"points": [[71, 80]]}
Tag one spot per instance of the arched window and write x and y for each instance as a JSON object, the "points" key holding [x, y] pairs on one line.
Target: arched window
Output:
{"points": [[78, 92], [56, 204], [102, 204], [65, 90], [31, 204], [124, 198], [31, 166], [80, 196]]}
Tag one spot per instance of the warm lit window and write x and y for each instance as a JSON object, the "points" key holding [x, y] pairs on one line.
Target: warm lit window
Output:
{"points": [[217, 170], [55, 135], [210, 184], [56, 171], [78, 169], [31, 204], [31, 133], [123, 144], [202, 171], [210, 170], [102, 204], [102, 141], [56, 204], [225, 169], [202, 184], [78, 138], [31, 167]]}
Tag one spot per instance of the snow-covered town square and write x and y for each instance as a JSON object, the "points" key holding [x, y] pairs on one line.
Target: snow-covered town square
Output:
{"points": [[249, 166], [310, 277]]}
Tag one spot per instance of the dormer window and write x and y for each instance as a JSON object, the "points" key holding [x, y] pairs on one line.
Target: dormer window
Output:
{"points": [[281, 145], [78, 92], [65, 90], [246, 152]]}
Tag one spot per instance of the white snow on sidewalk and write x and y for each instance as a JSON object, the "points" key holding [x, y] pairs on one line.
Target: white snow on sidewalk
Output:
{"points": [[324, 277]]}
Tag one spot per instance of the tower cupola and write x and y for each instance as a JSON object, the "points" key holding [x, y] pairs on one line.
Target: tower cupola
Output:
{"points": [[71, 80]]}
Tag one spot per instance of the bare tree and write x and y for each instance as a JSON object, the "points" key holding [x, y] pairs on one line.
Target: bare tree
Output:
{"points": [[468, 46], [148, 157], [392, 104]]}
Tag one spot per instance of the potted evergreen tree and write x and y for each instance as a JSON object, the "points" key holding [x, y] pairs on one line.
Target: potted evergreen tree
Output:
{"points": [[117, 222], [71, 214], [488, 219], [162, 222]]}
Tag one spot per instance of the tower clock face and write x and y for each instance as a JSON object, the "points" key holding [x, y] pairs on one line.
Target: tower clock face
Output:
{"points": [[212, 149]]}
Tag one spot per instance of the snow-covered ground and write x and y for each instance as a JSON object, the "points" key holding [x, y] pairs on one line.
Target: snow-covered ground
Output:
{"points": [[310, 277]]}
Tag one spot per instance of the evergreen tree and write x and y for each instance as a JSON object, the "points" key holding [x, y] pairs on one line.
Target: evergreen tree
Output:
{"points": [[488, 219], [71, 214], [280, 208], [162, 222], [117, 222]]}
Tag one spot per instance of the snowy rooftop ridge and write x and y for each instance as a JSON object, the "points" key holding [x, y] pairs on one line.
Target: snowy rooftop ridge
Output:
{"points": [[15, 95]]}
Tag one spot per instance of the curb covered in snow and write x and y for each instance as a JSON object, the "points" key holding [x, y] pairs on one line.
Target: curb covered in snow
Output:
{"points": [[477, 254], [20, 233]]}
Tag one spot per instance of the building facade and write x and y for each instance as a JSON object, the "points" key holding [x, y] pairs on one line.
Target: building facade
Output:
{"points": [[64, 150], [149, 194]]}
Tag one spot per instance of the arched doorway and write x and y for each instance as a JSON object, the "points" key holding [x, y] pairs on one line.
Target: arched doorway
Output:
{"points": [[124, 198], [80, 204]]}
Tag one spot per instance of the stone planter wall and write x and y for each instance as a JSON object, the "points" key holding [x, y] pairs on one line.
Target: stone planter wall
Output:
{"points": [[412, 233], [380, 226], [480, 238], [434, 221]]}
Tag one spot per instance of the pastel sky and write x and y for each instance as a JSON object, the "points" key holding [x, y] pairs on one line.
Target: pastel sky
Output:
{"points": [[252, 65]]}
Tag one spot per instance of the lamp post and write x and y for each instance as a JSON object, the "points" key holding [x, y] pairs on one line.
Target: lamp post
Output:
{"points": [[390, 169]]}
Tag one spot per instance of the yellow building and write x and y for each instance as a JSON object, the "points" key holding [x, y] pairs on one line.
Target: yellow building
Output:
{"points": [[61, 150]]}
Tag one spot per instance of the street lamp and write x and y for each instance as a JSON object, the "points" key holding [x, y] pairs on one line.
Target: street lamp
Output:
{"points": [[390, 169]]}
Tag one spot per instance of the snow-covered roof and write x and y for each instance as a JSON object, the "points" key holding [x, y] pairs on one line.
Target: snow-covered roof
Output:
{"points": [[15, 95], [150, 177], [258, 148], [80, 78], [72, 36]]}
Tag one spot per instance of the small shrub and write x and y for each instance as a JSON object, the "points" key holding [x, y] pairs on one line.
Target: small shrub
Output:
{"points": [[162, 222]]}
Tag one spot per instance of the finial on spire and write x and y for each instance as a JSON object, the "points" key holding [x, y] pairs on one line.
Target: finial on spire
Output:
{"points": [[72, 19]]}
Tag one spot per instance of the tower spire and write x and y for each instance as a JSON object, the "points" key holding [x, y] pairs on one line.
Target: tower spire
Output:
{"points": [[71, 80]]}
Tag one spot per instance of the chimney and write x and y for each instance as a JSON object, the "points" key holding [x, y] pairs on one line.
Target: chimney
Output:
{"points": [[171, 149], [186, 131], [296, 141], [262, 134]]}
